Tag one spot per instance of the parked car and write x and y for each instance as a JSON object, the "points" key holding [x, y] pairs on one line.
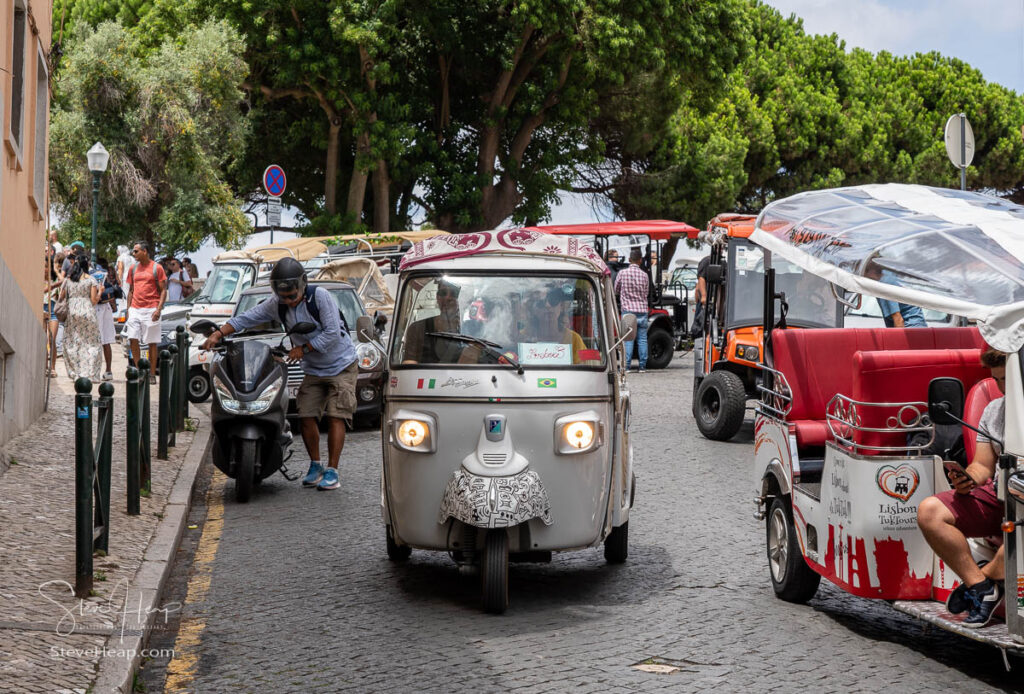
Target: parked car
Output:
{"points": [[371, 367]]}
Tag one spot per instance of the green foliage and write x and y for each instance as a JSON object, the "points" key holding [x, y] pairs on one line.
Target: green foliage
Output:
{"points": [[170, 118]]}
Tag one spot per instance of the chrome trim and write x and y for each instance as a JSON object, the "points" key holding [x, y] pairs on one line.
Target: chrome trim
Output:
{"points": [[775, 403], [435, 399], [844, 419]]}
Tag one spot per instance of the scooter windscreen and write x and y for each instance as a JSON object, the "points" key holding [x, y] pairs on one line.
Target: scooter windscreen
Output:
{"points": [[249, 363]]}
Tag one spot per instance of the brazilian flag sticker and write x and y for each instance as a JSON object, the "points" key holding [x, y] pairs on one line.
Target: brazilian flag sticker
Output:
{"points": [[547, 382]]}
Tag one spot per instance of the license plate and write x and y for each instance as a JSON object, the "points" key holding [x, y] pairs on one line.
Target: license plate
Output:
{"points": [[293, 391]]}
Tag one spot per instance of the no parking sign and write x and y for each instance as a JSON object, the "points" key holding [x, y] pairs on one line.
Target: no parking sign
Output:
{"points": [[274, 181]]}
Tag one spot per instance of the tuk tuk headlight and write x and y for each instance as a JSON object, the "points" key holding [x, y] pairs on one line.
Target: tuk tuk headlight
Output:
{"points": [[413, 431], [578, 433], [367, 356]]}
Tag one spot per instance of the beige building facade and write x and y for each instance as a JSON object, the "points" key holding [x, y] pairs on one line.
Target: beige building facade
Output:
{"points": [[24, 183]]}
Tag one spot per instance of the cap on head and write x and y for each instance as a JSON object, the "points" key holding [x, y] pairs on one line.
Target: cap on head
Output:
{"points": [[288, 276]]}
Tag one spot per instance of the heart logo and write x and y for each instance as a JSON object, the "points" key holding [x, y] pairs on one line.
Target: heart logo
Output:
{"points": [[898, 482]]}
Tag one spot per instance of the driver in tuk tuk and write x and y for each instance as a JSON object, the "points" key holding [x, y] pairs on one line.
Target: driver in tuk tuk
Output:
{"points": [[972, 509], [423, 348]]}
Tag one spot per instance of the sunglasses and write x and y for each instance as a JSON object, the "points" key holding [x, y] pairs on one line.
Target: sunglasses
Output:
{"points": [[291, 296]]}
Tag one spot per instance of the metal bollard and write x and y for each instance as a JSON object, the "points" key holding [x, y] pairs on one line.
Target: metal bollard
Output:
{"points": [[182, 339], [133, 415], [83, 487], [104, 450], [163, 414], [175, 401], [145, 481]]}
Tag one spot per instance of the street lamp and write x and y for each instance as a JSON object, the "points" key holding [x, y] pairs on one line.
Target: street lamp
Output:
{"points": [[98, 157]]}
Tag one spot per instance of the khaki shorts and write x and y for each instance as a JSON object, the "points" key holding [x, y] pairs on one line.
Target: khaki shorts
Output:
{"points": [[334, 396]]}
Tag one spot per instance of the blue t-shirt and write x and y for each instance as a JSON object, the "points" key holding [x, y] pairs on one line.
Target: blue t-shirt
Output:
{"points": [[913, 316]]}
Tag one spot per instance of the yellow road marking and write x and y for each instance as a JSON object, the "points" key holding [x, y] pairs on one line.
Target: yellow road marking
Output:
{"points": [[182, 668]]}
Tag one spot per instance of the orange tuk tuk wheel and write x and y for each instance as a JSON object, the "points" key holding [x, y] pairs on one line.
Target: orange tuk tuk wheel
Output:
{"points": [[720, 405]]}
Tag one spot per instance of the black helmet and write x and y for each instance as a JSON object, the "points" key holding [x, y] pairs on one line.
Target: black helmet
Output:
{"points": [[287, 276]]}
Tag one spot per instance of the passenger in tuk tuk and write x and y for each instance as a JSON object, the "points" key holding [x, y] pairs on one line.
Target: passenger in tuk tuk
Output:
{"points": [[972, 509], [548, 321]]}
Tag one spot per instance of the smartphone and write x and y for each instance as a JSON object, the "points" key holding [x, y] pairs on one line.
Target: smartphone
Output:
{"points": [[953, 466]]}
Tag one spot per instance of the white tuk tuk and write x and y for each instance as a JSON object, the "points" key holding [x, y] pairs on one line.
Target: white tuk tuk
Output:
{"points": [[505, 429], [846, 425]]}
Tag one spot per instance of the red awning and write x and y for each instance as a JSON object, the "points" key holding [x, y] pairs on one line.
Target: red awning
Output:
{"points": [[657, 229]]}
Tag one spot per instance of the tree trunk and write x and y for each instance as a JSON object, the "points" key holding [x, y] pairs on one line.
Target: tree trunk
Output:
{"points": [[357, 186], [331, 172], [381, 198]]}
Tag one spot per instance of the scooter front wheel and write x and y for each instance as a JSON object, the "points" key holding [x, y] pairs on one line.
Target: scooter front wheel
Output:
{"points": [[494, 572], [245, 466]]}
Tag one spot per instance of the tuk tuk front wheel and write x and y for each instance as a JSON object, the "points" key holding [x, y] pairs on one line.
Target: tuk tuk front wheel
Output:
{"points": [[494, 572], [792, 579], [616, 545], [396, 552], [720, 405]]}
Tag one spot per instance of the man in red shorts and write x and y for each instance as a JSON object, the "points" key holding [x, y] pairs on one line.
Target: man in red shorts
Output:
{"points": [[972, 509]]}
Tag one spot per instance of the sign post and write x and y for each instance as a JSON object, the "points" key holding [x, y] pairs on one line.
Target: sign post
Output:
{"points": [[960, 144], [274, 182]]}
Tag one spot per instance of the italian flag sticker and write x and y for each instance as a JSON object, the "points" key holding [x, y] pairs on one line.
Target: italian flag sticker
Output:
{"points": [[427, 383]]}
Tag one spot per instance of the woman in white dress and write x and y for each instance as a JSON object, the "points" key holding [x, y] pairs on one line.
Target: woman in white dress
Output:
{"points": [[82, 351]]}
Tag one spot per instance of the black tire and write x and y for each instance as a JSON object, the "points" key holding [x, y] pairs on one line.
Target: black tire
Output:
{"points": [[720, 405], [616, 545], [396, 552], [494, 572], [792, 579], [198, 385], [659, 348], [245, 466]]}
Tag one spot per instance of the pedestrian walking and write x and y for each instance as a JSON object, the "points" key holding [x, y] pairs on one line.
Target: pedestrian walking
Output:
{"points": [[178, 281], [124, 264], [147, 293], [55, 280], [193, 273], [895, 314], [328, 360], [105, 312], [632, 286], [82, 334]]}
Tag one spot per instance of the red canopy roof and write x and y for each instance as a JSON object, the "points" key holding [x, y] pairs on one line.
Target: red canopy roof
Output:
{"points": [[657, 229]]}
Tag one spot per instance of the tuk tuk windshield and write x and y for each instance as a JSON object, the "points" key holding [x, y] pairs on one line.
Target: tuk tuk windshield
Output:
{"points": [[809, 297], [225, 283], [550, 321]]}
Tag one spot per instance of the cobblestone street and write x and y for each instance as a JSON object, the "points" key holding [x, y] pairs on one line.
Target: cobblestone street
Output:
{"points": [[294, 592]]}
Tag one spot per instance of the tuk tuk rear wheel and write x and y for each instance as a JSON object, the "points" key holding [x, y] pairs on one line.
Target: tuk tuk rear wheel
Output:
{"points": [[494, 572], [245, 466], [720, 404], [616, 545], [792, 579], [396, 552]]}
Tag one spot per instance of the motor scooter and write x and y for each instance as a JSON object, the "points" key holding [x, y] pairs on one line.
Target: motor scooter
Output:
{"points": [[250, 429]]}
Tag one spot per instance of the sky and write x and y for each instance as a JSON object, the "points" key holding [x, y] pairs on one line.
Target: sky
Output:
{"points": [[987, 34]]}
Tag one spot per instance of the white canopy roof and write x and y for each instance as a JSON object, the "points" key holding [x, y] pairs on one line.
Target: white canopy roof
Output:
{"points": [[949, 250]]}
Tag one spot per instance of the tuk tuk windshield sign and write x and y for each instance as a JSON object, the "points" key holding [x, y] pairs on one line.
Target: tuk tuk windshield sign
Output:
{"points": [[550, 321]]}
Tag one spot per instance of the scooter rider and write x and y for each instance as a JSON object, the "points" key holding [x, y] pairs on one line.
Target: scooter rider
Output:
{"points": [[328, 361]]}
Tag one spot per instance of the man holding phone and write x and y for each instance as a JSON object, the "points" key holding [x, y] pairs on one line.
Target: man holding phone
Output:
{"points": [[972, 509]]}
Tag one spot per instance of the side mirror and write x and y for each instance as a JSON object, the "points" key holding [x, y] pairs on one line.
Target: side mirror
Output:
{"points": [[945, 400], [302, 328], [627, 327], [379, 320], [364, 328], [714, 275], [204, 327]]}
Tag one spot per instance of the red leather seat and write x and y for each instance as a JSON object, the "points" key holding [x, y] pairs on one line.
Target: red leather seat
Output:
{"points": [[981, 394], [820, 363]]}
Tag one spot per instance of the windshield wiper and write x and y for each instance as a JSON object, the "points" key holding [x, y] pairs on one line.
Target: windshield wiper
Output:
{"points": [[492, 348]]}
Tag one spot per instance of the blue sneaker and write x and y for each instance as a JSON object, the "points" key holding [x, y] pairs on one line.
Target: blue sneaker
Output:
{"points": [[330, 480], [313, 477], [957, 600], [983, 602]]}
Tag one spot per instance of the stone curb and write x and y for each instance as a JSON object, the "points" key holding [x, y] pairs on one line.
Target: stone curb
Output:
{"points": [[116, 671]]}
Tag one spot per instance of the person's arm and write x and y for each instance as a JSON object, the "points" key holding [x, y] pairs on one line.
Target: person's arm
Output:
{"points": [[981, 469], [162, 283], [186, 281], [94, 293]]}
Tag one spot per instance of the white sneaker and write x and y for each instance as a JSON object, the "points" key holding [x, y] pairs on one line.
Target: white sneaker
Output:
{"points": [[108, 376]]}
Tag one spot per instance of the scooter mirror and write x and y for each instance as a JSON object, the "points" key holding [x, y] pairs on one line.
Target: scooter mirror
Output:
{"points": [[302, 328], [627, 327], [203, 327], [364, 328], [945, 400]]}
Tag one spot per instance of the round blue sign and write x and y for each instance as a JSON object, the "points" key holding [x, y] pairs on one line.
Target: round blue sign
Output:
{"points": [[274, 180]]}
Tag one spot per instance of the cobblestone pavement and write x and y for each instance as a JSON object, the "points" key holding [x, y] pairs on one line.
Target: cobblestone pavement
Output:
{"points": [[293, 593], [49, 641]]}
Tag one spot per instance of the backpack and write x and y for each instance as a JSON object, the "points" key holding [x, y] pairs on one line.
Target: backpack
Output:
{"points": [[310, 300], [131, 272]]}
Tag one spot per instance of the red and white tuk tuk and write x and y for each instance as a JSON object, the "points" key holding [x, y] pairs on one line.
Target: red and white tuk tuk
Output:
{"points": [[843, 430]]}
